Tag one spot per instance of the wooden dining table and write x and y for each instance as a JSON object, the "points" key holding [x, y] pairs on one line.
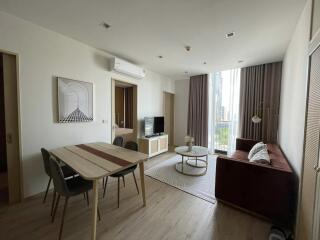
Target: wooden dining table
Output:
{"points": [[94, 161]]}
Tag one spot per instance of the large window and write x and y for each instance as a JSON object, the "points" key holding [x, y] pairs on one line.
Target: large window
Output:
{"points": [[224, 89]]}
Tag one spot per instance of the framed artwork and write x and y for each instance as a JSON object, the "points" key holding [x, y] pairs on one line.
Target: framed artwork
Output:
{"points": [[75, 100]]}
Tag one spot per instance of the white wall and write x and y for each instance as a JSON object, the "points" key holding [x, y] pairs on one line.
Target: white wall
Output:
{"points": [[43, 55], [181, 101], [293, 92]]}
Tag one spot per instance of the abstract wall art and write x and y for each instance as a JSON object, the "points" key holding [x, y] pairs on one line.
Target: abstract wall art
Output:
{"points": [[75, 100]]}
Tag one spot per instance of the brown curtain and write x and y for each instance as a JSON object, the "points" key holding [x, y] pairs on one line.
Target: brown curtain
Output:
{"points": [[128, 96], [260, 94], [198, 110]]}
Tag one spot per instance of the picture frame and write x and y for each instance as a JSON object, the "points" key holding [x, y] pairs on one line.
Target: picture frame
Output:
{"points": [[75, 101]]}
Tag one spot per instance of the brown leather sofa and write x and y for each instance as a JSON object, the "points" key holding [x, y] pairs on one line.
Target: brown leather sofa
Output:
{"points": [[265, 190]]}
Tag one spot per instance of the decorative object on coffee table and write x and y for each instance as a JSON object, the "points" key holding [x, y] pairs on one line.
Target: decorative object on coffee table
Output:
{"points": [[195, 165], [189, 142]]}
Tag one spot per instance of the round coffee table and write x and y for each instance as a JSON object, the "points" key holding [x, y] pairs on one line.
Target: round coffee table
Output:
{"points": [[194, 160]]}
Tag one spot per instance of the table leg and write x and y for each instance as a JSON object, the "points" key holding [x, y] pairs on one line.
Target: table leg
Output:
{"points": [[182, 165], [143, 189], [94, 209]]}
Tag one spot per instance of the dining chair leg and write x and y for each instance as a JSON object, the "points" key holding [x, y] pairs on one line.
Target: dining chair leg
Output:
{"points": [[124, 182], [135, 181], [55, 208], [63, 216], [87, 196], [47, 190], [118, 192], [53, 202], [105, 187], [99, 216]]}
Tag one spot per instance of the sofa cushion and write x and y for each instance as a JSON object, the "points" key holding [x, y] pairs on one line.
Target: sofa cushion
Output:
{"points": [[261, 157], [256, 148], [240, 155]]}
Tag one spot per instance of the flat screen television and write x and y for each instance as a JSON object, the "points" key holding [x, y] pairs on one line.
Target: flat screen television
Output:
{"points": [[153, 126]]}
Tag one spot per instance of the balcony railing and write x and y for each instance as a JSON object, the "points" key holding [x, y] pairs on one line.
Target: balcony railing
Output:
{"points": [[221, 136]]}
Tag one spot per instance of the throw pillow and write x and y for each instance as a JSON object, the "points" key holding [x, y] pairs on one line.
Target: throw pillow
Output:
{"points": [[256, 148], [261, 157]]}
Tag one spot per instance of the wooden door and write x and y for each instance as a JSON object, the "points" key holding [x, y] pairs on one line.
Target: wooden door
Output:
{"points": [[3, 154], [119, 106], [311, 151], [169, 117], [12, 127]]}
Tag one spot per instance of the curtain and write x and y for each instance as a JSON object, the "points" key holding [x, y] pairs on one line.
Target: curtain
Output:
{"points": [[260, 95], [198, 110], [212, 99], [234, 92], [128, 109], [224, 89]]}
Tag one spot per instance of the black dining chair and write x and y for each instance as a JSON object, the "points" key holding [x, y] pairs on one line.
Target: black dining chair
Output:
{"points": [[67, 172], [118, 141], [67, 188], [132, 146]]}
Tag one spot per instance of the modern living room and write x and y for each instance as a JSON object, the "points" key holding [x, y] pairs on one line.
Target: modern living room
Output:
{"points": [[160, 120]]}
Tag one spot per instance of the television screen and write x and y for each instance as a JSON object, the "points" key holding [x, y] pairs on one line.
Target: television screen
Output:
{"points": [[148, 126], [158, 125], [153, 126]]}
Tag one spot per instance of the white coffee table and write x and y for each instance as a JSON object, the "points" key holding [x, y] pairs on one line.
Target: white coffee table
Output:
{"points": [[194, 160]]}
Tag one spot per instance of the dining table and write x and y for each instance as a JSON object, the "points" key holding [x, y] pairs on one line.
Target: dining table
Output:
{"points": [[94, 161]]}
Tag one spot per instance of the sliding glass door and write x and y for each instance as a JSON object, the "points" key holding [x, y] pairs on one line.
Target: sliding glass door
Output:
{"points": [[224, 89]]}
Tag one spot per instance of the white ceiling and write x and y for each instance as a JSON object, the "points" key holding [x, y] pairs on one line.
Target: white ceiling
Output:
{"points": [[143, 29]]}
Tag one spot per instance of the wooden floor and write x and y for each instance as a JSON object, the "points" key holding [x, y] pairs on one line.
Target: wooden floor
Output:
{"points": [[170, 214]]}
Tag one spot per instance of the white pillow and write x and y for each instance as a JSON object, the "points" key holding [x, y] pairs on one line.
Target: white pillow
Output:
{"points": [[256, 148], [261, 157]]}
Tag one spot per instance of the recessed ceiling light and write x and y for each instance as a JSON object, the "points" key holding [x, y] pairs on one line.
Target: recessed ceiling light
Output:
{"points": [[188, 48], [204, 63], [160, 56], [240, 61], [230, 34], [105, 25]]}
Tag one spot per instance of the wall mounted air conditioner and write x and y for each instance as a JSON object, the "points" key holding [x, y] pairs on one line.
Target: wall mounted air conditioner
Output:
{"points": [[124, 67]]}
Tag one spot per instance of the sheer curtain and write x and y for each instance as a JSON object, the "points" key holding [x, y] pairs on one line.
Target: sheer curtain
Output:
{"points": [[224, 90], [211, 113]]}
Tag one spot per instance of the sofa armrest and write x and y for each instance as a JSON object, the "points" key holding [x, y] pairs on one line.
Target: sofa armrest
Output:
{"points": [[245, 144]]}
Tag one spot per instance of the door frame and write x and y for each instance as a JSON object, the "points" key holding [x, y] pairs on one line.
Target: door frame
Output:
{"points": [[135, 107], [20, 197]]}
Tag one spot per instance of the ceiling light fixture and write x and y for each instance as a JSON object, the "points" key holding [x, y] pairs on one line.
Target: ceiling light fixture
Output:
{"points": [[188, 48], [160, 56], [230, 34], [240, 61], [105, 25], [204, 63]]}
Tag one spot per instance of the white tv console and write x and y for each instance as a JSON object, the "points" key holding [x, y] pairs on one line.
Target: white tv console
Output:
{"points": [[153, 146]]}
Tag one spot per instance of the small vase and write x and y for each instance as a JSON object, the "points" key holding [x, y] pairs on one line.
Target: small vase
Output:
{"points": [[189, 146]]}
